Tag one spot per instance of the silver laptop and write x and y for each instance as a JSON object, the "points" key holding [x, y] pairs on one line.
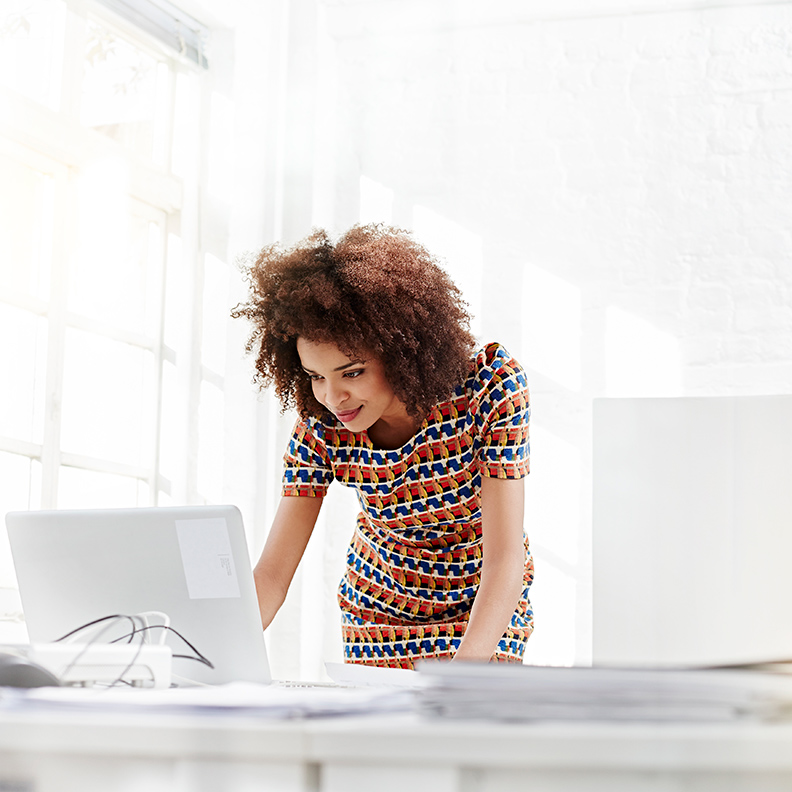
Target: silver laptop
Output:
{"points": [[189, 562]]}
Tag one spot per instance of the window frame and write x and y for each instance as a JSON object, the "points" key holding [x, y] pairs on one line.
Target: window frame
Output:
{"points": [[51, 140]]}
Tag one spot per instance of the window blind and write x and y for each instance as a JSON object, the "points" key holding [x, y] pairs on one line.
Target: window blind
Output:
{"points": [[167, 23]]}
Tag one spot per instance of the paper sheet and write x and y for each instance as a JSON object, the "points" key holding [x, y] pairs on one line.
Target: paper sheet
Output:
{"points": [[207, 558], [264, 701]]}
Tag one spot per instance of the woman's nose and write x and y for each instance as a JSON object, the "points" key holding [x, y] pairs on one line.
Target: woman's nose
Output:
{"points": [[335, 394]]}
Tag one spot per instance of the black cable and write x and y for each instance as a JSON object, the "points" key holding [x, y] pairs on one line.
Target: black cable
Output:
{"points": [[99, 621], [130, 637], [195, 657], [95, 639], [198, 656]]}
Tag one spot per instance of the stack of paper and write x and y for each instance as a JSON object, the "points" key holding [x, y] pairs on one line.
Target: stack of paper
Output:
{"points": [[238, 698], [529, 693]]}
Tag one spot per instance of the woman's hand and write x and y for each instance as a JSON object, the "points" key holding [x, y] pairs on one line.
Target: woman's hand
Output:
{"points": [[502, 567], [288, 537]]}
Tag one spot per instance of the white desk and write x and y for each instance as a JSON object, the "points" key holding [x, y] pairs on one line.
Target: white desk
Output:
{"points": [[68, 752]]}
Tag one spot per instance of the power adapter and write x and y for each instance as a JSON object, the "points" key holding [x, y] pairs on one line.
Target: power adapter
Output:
{"points": [[141, 665]]}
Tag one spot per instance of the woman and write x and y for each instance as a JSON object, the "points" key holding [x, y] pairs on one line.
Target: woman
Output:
{"points": [[369, 340]]}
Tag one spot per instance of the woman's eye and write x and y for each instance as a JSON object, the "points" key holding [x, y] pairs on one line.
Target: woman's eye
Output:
{"points": [[314, 377], [353, 374]]}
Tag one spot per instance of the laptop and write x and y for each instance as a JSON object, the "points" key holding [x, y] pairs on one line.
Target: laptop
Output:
{"points": [[189, 562]]}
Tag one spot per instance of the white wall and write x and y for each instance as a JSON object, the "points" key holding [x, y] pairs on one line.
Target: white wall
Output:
{"points": [[609, 180]]}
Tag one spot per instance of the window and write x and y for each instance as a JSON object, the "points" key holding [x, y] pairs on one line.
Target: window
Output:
{"points": [[103, 285]]}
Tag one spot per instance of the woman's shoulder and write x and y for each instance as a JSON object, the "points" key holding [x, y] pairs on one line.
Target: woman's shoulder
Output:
{"points": [[494, 366], [497, 388]]}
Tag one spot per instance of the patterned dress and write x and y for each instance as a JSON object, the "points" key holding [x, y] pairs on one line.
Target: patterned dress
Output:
{"points": [[413, 566]]}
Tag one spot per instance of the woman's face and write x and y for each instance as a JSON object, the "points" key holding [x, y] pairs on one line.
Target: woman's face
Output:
{"points": [[354, 389]]}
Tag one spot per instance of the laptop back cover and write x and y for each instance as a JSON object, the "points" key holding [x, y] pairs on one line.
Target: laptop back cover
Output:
{"points": [[189, 562]]}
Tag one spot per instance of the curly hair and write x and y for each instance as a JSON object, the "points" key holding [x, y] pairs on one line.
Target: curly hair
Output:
{"points": [[374, 290]]}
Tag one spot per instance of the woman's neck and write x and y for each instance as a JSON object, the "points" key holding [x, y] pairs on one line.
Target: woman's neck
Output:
{"points": [[392, 433]]}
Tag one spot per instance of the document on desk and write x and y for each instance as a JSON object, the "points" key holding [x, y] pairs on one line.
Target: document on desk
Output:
{"points": [[359, 675], [238, 698], [530, 693]]}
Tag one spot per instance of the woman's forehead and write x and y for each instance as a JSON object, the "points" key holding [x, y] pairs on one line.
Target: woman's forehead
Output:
{"points": [[325, 354]]}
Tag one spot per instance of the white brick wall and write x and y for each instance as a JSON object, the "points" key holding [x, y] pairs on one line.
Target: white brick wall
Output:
{"points": [[622, 172], [629, 180]]}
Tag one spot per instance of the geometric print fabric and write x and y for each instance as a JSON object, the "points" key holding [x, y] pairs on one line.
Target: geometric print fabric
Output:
{"points": [[413, 565]]}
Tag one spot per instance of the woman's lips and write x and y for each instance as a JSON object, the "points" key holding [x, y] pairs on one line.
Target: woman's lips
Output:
{"points": [[345, 416]]}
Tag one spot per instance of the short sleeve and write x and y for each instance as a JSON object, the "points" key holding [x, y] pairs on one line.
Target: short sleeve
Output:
{"points": [[501, 406], [307, 470]]}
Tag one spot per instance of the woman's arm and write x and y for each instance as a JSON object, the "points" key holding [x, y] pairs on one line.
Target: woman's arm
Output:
{"points": [[502, 567], [288, 537]]}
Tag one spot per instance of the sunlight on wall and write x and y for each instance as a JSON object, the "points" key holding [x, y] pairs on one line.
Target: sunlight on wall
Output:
{"points": [[81, 489], [461, 253], [22, 416], [15, 473], [553, 495], [27, 208], [553, 518], [174, 423], [186, 107], [640, 360], [215, 313], [125, 93], [552, 326], [220, 160], [31, 57], [106, 383], [554, 602], [312, 619], [95, 288], [210, 443], [171, 430], [376, 202], [175, 288]]}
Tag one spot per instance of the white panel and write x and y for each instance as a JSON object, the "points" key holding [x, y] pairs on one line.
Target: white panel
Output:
{"points": [[692, 529]]}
